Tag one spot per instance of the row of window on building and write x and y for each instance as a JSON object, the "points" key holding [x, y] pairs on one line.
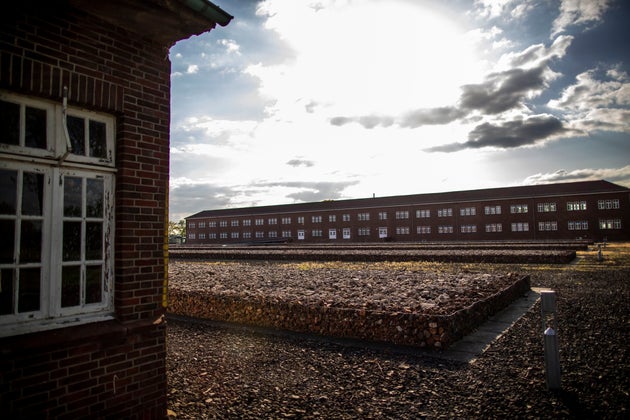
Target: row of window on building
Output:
{"points": [[578, 225], [404, 214]]}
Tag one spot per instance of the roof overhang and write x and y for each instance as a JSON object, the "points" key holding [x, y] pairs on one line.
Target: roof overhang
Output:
{"points": [[164, 21]]}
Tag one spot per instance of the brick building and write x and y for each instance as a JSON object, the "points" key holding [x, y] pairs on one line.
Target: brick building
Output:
{"points": [[84, 164], [593, 210]]}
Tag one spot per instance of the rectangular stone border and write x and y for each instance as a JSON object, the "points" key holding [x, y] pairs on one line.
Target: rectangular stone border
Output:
{"points": [[412, 329]]}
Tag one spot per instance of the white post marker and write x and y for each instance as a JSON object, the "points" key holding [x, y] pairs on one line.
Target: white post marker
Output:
{"points": [[550, 326], [552, 359]]}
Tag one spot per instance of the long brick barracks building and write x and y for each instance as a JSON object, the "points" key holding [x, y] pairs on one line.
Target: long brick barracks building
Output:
{"points": [[595, 210]]}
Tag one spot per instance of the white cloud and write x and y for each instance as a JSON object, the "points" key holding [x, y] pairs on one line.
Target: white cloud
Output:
{"points": [[192, 69], [590, 92], [599, 100], [579, 12], [535, 55], [365, 58], [230, 45], [489, 9], [617, 175]]}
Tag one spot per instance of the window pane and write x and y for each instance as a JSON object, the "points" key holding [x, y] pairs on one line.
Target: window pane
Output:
{"points": [[9, 123], [6, 291], [98, 142], [71, 241], [72, 192], [28, 296], [94, 198], [35, 134], [31, 241], [93, 276], [76, 130], [70, 286], [32, 194], [8, 192], [7, 233], [93, 241]]}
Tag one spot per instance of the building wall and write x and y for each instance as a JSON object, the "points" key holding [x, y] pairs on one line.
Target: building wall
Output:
{"points": [[114, 368], [465, 226]]}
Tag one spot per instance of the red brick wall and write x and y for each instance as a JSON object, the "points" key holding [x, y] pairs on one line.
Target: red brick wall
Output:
{"points": [[109, 70]]}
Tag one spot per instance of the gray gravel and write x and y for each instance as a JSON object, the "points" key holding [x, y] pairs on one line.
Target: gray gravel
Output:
{"points": [[216, 372]]}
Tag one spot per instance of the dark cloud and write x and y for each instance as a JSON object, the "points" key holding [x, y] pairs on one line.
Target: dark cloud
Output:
{"points": [[371, 121], [301, 162], [431, 116], [509, 134], [339, 121], [367, 121], [502, 91]]}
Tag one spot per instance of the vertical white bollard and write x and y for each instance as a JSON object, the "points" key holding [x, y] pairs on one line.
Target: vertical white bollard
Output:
{"points": [[552, 359], [551, 348]]}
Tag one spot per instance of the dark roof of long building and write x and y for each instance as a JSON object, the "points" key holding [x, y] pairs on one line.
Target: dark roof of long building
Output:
{"points": [[488, 194]]}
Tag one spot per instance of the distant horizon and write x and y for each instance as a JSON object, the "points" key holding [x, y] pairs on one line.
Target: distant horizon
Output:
{"points": [[303, 101]]}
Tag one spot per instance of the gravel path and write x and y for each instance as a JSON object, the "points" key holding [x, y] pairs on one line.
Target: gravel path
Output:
{"points": [[228, 373]]}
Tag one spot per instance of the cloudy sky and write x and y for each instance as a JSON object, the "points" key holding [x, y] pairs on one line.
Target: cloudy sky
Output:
{"points": [[309, 100]]}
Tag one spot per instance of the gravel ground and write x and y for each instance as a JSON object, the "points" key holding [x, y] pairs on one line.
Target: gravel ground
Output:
{"points": [[381, 286], [216, 372]]}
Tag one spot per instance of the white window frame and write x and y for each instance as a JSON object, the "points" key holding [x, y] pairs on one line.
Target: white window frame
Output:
{"points": [[494, 227], [608, 204], [423, 230], [56, 163], [609, 224], [520, 227], [491, 210], [576, 205], [548, 226], [468, 228], [468, 211], [445, 229], [402, 214], [423, 214], [518, 208], [547, 207]]}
